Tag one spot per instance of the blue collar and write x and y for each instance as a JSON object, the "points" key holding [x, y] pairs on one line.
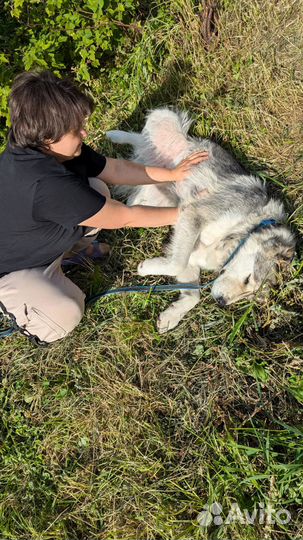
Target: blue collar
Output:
{"points": [[264, 224]]}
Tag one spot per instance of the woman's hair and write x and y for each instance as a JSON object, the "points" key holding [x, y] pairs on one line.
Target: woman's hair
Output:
{"points": [[43, 108]]}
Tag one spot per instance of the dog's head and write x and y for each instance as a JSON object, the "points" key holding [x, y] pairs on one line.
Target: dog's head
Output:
{"points": [[255, 265]]}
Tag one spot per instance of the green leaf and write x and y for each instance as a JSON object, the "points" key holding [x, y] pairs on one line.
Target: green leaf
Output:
{"points": [[239, 323]]}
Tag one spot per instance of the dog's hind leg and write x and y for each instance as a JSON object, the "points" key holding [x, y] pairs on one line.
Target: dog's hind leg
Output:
{"points": [[185, 236], [167, 131], [188, 300]]}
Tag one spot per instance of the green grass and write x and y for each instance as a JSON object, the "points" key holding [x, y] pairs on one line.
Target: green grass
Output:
{"points": [[117, 432]]}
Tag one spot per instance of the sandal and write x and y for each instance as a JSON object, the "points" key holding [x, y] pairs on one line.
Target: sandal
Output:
{"points": [[95, 255]]}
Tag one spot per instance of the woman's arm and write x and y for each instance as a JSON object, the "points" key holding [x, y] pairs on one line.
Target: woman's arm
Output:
{"points": [[116, 215], [121, 171]]}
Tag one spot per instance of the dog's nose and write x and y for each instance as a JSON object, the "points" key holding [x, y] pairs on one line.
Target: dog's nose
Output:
{"points": [[221, 301]]}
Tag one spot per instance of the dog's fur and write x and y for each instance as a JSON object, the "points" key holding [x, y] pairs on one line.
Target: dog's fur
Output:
{"points": [[220, 205]]}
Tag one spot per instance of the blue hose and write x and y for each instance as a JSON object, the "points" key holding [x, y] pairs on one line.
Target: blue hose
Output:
{"points": [[133, 289], [147, 289]]}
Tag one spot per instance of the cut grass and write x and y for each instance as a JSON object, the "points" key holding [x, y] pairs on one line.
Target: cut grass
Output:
{"points": [[117, 432]]}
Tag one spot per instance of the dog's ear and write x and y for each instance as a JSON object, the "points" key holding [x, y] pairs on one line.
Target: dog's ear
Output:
{"points": [[275, 254], [282, 252], [285, 258]]}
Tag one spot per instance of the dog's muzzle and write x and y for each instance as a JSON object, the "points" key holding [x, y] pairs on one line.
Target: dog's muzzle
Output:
{"points": [[221, 301]]}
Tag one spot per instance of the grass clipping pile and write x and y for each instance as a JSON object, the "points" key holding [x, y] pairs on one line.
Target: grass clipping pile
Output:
{"points": [[117, 432]]}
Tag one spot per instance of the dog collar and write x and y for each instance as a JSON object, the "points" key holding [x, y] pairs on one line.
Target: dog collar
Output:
{"points": [[264, 224]]}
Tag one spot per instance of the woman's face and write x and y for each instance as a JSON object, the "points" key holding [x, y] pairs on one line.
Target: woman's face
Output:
{"points": [[68, 147]]}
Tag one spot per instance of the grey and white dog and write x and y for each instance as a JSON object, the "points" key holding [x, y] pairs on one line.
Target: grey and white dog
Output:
{"points": [[223, 209]]}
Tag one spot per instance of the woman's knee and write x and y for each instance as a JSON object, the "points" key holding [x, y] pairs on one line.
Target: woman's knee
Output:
{"points": [[50, 325], [74, 312]]}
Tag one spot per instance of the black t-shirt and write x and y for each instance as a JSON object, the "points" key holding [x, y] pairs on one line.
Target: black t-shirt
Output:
{"points": [[41, 203]]}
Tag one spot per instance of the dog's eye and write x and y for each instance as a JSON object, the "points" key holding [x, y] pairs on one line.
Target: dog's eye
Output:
{"points": [[246, 280]]}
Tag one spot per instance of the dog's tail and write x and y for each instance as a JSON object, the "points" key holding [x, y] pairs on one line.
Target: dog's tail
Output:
{"points": [[124, 137]]}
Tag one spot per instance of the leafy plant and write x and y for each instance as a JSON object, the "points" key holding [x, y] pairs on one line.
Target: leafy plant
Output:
{"points": [[63, 36]]}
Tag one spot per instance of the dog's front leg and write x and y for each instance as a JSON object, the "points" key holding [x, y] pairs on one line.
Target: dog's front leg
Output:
{"points": [[187, 300], [185, 236]]}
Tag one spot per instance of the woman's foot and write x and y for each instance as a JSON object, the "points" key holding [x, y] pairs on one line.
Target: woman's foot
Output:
{"points": [[96, 251]]}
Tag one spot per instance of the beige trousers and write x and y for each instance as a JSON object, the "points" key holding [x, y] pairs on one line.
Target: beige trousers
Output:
{"points": [[45, 304]]}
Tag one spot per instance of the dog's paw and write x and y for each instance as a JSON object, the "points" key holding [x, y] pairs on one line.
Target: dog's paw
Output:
{"points": [[159, 266], [151, 266], [168, 320]]}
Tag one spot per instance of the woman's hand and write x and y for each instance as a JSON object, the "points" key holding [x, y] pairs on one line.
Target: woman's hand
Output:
{"points": [[121, 171], [183, 170]]}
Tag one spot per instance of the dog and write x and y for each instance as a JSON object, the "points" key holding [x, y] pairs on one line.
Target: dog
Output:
{"points": [[228, 222]]}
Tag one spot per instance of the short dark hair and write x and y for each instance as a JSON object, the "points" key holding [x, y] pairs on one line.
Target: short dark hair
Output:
{"points": [[43, 108]]}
